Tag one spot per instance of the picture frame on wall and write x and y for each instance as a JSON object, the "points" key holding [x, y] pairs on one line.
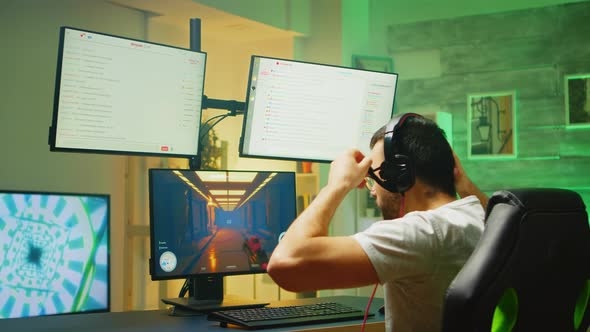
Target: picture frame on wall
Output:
{"points": [[491, 125], [577, 100], [374, 63]]}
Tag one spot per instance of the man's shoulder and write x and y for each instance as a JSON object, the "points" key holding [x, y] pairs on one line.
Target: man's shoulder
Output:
{"points": [[468, 200], [463, 211], [467, 209], [469, 205], [416, 222]]}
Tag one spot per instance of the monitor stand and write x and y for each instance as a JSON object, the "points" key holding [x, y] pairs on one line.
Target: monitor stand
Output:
{"points": [[206, 295]]}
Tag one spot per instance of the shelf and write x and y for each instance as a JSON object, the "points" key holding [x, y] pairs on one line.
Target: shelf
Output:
{"points": [[307, 186]]}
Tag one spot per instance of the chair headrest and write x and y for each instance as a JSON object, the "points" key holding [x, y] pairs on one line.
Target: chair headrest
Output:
{"points": [[545, 199]]}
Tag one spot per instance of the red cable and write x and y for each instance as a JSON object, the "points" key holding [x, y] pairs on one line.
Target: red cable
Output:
{"points": [[368, 307], [401, 214]]}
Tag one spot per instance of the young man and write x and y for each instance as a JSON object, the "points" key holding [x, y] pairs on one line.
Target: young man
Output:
{"points": [[415, 253]]}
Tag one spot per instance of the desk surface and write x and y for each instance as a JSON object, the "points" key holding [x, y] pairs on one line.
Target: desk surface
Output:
{"points": [[160, 320]]}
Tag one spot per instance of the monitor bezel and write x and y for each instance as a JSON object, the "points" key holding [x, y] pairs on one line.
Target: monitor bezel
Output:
{"points": [[54, 124], [153, 251], [105, 196], [248, 89]]}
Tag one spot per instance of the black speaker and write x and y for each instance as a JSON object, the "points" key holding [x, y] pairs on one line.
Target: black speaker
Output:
{"points": [[397, 170]]}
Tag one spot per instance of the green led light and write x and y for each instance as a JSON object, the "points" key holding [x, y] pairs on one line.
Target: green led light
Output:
{"points": [[506, 312]]}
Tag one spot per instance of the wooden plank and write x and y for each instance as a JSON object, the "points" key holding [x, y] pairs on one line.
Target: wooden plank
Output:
{"points": [[539, 141], [576, 142], [540, 126], [530, 83], [574, 19], [502, 55], [554, 141], [572, 48], [520, 24], [492, 175], [554, 22], [540, 112], [419, 35], [573, 28]]}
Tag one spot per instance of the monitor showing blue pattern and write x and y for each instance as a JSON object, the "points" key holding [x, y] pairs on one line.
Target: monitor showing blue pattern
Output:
{"points": [[54, 253]]}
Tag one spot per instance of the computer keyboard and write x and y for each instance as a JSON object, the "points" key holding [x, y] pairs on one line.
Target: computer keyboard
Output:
{"points": [[267, 317]]}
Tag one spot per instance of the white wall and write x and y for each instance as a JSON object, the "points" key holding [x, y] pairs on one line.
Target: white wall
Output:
{"points": [[283, 14], [29, 33]]}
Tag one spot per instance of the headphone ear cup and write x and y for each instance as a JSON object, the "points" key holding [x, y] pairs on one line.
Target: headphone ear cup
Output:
{"points": [[386, 171], [388, 175], [405, 176], [398, 175]]}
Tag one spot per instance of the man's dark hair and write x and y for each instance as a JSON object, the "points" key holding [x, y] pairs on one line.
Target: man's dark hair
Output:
{"points": [[426, 145]]}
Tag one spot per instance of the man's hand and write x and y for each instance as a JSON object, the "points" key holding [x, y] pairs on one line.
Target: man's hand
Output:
{"points": [[348, 171]]}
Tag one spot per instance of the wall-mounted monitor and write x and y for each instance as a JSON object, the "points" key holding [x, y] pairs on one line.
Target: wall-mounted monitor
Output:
{"points": [[307, 111], [119, 95], [54, 253], [209, 224]]}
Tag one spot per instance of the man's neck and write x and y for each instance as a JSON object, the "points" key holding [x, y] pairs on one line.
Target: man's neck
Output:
{"points": [[422, 197]]}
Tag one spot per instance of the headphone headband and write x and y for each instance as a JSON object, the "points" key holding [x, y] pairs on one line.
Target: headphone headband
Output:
{"points": [[392, 127]]}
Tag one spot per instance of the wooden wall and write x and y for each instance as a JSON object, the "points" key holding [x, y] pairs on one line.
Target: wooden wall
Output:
{"points": [[527, 51]]}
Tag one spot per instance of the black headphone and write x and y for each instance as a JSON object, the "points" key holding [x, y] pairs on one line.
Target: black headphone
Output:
{"points": [[397, 171]]}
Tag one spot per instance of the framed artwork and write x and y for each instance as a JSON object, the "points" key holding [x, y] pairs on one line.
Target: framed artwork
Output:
{"points": [[577, 100], [384, 64], [491, 125]]}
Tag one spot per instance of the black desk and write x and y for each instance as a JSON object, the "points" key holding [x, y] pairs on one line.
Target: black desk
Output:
{"points": [[159, 320]]}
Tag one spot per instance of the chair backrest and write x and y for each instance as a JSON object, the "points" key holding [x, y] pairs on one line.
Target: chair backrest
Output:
{"points": [[530, 271]]}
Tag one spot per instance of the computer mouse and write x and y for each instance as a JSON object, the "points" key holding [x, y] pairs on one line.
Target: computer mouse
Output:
{"points": [[382, 309]]}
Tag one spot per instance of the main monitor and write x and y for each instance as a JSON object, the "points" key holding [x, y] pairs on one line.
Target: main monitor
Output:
{"points": [[207, 224], [308, 111]]}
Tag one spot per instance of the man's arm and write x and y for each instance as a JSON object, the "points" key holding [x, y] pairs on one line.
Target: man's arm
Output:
{"points": [[465, 186], [306, 258]]}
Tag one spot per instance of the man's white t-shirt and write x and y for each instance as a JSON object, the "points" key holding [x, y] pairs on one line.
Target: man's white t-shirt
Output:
{"points": [[416, 258]]}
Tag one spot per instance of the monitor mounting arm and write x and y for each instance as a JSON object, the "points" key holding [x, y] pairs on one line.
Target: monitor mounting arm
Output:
{"points": [[233, 106]]}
